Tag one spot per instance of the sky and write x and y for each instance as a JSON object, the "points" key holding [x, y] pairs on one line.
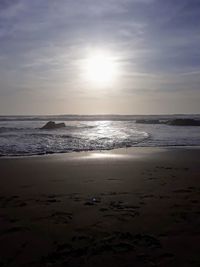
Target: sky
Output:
{"points": [[44, 45]]}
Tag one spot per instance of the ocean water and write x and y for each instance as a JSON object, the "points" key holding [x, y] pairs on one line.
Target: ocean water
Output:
{"points": [[21, 135]]}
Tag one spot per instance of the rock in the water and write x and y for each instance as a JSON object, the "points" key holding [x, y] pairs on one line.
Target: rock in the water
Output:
{"points": [[148, 121], [173, 122], [184, 122], [52, 125]]}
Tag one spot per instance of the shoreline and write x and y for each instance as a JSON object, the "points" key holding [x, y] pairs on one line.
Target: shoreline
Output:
{"points": [[109, 151]]}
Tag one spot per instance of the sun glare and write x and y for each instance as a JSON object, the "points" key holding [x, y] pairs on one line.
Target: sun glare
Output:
{"points": [[100, 68]]}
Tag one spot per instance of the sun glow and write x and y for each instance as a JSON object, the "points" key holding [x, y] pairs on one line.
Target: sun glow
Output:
{"points": [[100, 68]]}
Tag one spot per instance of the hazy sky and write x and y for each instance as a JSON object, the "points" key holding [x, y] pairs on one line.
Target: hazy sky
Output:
{"points": [[155, 44]]}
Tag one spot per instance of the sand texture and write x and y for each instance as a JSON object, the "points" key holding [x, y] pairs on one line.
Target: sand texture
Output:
{"points": [[134, 207]]}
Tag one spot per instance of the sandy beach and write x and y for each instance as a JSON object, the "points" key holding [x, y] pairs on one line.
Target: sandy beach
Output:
{"points": [[126, 207]]}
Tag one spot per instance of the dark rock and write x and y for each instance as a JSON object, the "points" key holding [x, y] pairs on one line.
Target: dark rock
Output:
{"points": [[173, 122], [52, 125], [148, 121], [184, 122]]}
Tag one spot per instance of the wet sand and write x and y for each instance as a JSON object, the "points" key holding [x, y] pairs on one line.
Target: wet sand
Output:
{"points": [[127, 207]]}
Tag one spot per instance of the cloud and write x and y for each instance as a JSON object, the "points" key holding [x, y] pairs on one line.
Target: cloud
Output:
{"points": [[11, 9]]}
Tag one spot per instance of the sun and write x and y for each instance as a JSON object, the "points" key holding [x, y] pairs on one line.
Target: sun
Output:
{"points": [[100, 68]]}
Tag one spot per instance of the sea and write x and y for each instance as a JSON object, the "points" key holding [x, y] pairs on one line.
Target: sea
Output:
{"points": [[23, 136]]}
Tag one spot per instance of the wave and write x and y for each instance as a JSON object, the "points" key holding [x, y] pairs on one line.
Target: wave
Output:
{"points": [[68, 127], [28, 139], [11, 129], [44, 144]]}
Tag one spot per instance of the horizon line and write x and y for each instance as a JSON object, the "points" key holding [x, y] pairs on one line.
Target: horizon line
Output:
{"points": [[98, 114]]}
